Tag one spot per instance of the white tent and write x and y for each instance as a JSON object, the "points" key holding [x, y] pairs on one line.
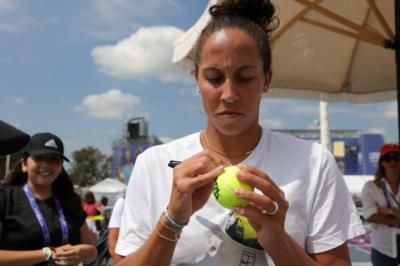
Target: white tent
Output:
{"points": [[109, 187], [355, 183]]}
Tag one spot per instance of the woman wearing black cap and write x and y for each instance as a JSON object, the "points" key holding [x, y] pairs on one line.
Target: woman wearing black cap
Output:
{"points": [[41, 218], [381, 207]]}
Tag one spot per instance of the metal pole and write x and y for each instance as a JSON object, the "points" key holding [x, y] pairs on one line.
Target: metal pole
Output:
{"points": [[324, 124]]}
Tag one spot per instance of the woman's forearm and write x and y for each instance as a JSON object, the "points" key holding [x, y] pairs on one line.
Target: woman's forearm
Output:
{"points": [[112, 239], [89, 253], [21, 258], [156, 251], [289, 252], [379, 218]]}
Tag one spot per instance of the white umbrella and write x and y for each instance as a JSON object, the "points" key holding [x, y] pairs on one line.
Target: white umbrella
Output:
{"points": [[329, 50]]}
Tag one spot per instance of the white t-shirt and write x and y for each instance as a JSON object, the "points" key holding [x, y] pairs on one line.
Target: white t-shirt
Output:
{"points": [[116, 214], [382, 235], [321, 213]]}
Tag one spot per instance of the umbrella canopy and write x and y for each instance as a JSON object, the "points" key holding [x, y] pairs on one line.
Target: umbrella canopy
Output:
{"points": [[109, 185], [110, 188], [329, 50], [337, 47]]}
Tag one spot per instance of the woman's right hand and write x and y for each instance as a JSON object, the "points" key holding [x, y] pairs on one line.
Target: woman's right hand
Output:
{"points": [[192, 184], [71, 254]]}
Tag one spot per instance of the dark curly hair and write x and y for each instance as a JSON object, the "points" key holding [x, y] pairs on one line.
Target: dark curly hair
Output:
{"points": [[62, 187], [255, 17], [89, 197]]}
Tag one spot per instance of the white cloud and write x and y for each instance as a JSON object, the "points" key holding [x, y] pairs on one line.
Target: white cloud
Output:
{"points": [[11, 18], [146, 54], [192, 91], [113, 19], [110, 104], [17, 24], [16, 100], [7, 4], [16, 125], [289, 106], [390, 110], [165, 139], [173, 3], [302, 109], [272, 123], [110, 10], [313, 124], [387, 110], [377, 130], [11, 27], [116, 11]]}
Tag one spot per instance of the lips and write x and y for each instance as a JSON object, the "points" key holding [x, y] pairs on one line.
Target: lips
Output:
{"points": [[46, 173], [228, 113]]}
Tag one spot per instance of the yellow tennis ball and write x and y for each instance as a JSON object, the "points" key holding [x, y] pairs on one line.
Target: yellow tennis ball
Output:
{"points": [[225, 185], [248, 230]]}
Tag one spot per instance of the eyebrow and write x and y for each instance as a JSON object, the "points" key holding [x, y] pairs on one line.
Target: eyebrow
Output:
{"points": [[239, 68]]}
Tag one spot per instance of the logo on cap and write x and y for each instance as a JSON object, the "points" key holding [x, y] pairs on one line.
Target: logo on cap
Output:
{"points": [[51, 143]]}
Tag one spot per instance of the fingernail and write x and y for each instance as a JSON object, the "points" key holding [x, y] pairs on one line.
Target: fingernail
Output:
{"points": [[238, 210], [238, 191]]}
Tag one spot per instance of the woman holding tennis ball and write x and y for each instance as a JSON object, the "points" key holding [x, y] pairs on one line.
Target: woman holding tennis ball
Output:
{"points": [[300, 211]]}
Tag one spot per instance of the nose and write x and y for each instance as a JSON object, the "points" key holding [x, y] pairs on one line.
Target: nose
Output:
{"points": [[46, 163], [229, 92]]}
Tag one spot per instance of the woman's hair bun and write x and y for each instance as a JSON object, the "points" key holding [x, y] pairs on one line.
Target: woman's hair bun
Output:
{"points": [[259, 11]]}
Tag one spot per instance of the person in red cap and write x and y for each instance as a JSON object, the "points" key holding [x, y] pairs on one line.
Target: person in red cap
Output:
{"points": [[41, 218], [381, 207]]}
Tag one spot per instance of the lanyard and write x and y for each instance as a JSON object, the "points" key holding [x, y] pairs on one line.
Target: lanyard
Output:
{"points": [[42, 221], [386, 194], [388, 202]]}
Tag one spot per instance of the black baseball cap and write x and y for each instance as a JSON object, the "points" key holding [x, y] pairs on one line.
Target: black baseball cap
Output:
{"points": [[45, 143], [11, 139]]}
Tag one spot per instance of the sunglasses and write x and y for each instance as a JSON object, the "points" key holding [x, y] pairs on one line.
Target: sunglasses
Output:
{"points": [[389, 157]]}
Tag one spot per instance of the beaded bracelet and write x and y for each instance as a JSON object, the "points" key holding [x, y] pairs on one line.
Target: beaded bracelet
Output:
{"points": [[173, 222]]}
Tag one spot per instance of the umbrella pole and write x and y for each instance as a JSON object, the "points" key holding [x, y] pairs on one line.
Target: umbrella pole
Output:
{"points": [[324, 125], [397, 51]]}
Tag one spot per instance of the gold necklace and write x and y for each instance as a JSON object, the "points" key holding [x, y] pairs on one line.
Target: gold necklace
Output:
{"points": [[221, 152]]}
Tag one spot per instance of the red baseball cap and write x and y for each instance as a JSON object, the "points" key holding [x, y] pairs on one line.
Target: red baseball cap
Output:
{"points": [[389, 148]]}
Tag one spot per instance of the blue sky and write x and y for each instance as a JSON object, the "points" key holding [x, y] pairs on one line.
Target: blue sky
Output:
{"points": [[82, 69]]}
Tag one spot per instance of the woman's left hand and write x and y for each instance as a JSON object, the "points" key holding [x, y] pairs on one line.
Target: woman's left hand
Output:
{"points": [[266, 212], [69, 254]]}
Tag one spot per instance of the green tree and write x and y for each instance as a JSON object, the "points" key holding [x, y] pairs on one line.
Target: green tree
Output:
{"points": [[89, 166]]}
